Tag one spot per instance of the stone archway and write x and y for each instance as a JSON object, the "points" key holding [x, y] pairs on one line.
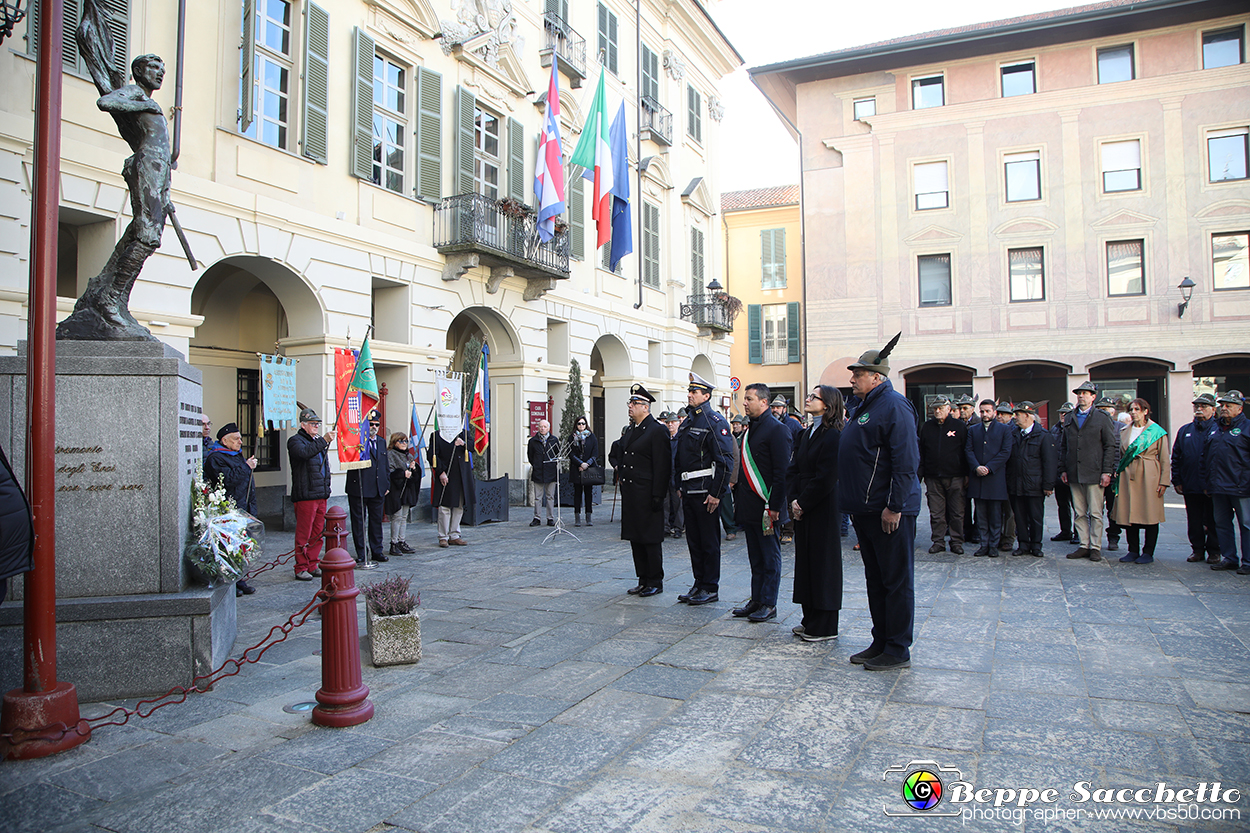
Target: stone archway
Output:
{"points": [[612, 375], [506, 394]]}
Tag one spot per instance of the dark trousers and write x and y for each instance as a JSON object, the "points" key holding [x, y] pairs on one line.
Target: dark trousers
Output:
{"points": [[1113, 528], [818, 622], [648, 563], [310, 524], [727, 513], [1008, 537], [674, 517], [890, 576], [764, 553], [359, 506], [1063, 499], [946, 508], [587, 492], [989, 522], [1133, 534], [703, 538], [1029, 511], [1200, 515]]}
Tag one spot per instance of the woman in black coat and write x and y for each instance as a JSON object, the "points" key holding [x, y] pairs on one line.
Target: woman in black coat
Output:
{"points": [[583, 453], [405, 477], [812, 480]]}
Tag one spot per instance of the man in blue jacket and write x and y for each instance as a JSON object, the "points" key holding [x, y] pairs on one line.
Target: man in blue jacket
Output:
{"points": [[1187, 481], [761, 492], [988, 449], [1226, 466], [878, 455]]}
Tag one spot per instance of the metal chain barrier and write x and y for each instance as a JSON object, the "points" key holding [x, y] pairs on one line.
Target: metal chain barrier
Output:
{"points": [[264, 568], [199, 685]]}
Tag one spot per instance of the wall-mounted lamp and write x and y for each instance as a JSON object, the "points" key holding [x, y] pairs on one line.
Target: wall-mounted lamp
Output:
{"points": [[1187, 291], [714, 286]]}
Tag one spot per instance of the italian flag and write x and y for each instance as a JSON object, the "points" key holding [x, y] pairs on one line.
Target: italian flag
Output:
{"points": [[477, 416], [594, 153]]}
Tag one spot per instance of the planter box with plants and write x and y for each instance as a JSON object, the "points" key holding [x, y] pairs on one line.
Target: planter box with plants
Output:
{"points": [[392, 621]]}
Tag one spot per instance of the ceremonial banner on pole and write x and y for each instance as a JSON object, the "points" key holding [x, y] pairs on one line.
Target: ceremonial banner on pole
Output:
{"points": [[277, 385], [478, 416], [448, 404], [347, 417]]}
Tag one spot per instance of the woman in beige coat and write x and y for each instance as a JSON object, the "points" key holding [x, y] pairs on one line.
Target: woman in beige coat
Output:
{"points": [[1144, 474]]}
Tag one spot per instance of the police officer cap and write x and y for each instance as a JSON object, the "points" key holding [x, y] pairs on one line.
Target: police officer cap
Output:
{"points": [[875, 360], [1004, 407], [1026, 407], [697, 382], [309, 415], [1105, 402], [228, 428], [638, 393], [1204, 399], [1088, 386], [1233, 397], [1066, 407]]}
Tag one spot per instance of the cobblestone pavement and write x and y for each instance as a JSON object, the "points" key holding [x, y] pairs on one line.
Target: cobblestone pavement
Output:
{"points": [[549, 700]]}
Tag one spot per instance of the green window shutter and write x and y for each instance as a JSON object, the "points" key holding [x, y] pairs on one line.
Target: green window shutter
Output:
{"points": [[792, 332], [694, 115], [773, 258], [516, 160], [247, 64], [650, 73], [779, 258], [755, 347], [118, 14], [766, 258], [317, 83], [362, 106], [696, 259], [651, 244], [462, 150], [560, 8], [607, 38], [429, 134], [577, 213]]}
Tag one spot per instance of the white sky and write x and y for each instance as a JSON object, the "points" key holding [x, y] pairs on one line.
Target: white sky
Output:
{"points": [[756, 151]]}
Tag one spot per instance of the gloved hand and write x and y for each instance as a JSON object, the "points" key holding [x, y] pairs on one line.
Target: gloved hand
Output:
{"points": [[657, 504]]}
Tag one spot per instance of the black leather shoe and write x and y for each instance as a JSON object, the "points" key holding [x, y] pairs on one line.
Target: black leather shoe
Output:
{"points": [[403, 545], [1020, 551], [1061, 536], [937, 548], [886, 662], [762, 614], [702, 597], [747, 609], [1223, 565], [981, 553], [1113, 543], [551, 522], [685, 597], [650, 591], [381, 558], [536, 522], [1196, 557], [865, 655], [1083, 552], [635, 590], [957, 549]]}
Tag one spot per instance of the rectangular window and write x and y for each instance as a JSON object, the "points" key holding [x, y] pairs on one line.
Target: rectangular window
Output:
{"points": [[1024, 176], [694, 113], [1018, 79], [865, 107], [486, 161], [935, 280], [1115, 64], [247, 415], [1229, 257], [1126, 268], [607, 38], [696, 260], [1028, 279], [775, 334], [117, 14], [1222, 49], [605, 260], [1121, 166], [773, 258], [650, 244], [1227, 151], [271, 73], [650, 74], [932, 189], [927, 92], [390, 84]]}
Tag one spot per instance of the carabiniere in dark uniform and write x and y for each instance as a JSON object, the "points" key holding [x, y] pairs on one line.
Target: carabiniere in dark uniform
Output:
{"points": [[702, 468]]}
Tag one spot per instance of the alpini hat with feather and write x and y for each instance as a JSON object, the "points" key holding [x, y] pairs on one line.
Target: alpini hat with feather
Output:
{"points": [[875, 360]]}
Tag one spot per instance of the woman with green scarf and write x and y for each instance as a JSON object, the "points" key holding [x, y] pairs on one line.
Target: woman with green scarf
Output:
{"points": [[1144, 474]]}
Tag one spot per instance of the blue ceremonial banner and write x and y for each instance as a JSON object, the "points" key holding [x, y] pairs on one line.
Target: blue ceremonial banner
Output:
{"points": [[277, 385]]}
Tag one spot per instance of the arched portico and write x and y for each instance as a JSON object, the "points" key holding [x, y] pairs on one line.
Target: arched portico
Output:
{"points": [[505, 417], [612, 376]]}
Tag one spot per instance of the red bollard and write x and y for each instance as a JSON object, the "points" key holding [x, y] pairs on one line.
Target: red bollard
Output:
{"points": [[343, 699]]}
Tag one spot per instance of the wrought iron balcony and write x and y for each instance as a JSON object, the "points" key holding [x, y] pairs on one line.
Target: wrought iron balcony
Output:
{"points": [[500, 234], [563, 41], [709, 311], [657, 122]]}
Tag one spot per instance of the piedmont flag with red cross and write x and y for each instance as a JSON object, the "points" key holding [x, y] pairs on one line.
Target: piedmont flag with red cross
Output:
{"points": [[549, 166]]}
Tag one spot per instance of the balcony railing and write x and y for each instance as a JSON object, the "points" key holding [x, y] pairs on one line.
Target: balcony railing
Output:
{"points": [[477, 224], [710, 311], [563, 41], [657, 122]]}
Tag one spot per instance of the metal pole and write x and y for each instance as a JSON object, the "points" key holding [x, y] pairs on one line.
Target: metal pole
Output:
{"points": [[43, 700], [182, 54], [638, 141]]}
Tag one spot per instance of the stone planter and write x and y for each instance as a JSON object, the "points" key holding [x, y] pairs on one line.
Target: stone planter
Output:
{"points": [[393, 640]]}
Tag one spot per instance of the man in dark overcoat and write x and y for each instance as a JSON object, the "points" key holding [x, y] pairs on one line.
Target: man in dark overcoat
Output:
{"points": [[366, 492], [451, 489], [1091, 444], [642, 479], [988, 450], [760, 491], [1031, 474]]}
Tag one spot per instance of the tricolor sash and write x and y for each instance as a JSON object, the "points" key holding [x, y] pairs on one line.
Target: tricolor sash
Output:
{"points": [[755, 479]]}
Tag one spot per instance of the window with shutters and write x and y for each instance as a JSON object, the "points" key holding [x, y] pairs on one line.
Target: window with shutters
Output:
{"points": [[390, 123], [1027, 274], [773, 258], [934, 278], [607, 39], [118, 12], [273, 69], [696, 260], [650, 74], [650, 244], [1126, 267], [575, 189], [1121, 166], [694, 114], [775, 333]]}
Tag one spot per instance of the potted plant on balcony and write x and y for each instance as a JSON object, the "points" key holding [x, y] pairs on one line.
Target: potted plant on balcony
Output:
{"points": [[514, 208], [732, 306], [392, 621]]}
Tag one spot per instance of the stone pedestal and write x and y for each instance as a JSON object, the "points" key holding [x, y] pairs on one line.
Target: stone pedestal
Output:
{"points": [[127, 439]]}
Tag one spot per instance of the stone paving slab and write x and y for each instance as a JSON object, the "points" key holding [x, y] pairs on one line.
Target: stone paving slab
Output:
{"points": [[549, 701]]}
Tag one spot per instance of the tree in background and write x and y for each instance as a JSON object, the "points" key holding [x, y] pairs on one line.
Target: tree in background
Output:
{"points": [[574, 403]]}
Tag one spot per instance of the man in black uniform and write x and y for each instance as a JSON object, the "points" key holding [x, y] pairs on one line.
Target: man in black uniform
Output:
{"points": [[366, 488], [702, 468], [643, 478]]}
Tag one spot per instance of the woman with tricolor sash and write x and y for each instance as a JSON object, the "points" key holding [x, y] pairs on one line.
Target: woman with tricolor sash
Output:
{"points": [[1143, 475]]}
